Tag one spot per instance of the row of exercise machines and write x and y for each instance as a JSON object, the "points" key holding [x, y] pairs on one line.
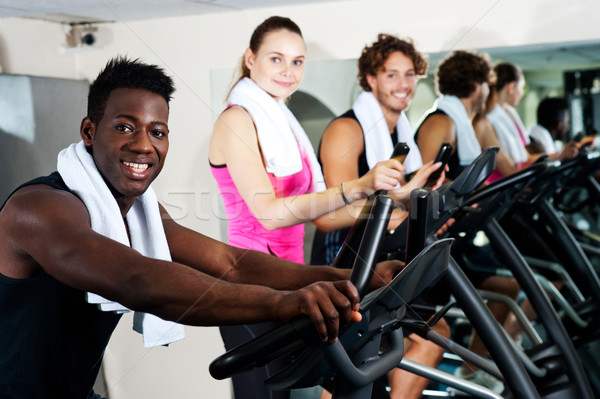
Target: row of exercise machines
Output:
{"points": [[542, 200]]}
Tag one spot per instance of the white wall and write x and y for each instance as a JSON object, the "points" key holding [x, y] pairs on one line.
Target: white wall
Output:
{"points": [[191, 47]]}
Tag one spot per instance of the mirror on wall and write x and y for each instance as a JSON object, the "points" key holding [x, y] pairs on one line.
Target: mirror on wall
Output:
{"points": [[330, 87], [569, 70], [549, 69], [582, 91]]}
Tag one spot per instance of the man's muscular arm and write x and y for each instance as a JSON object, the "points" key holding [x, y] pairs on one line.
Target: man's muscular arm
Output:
{"points": [[49, 229]]}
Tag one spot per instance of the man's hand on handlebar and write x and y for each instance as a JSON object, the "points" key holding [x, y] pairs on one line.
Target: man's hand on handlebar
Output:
{"points": [[331, 305], [569, 151], [385, 272], [419, 179], [384, 175], [328, 304]]}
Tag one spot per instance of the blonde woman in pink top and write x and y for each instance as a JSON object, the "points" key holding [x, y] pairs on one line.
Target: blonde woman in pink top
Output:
{"points": [[267, 171]]}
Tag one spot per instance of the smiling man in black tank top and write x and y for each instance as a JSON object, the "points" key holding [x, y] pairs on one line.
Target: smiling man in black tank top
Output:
{"points": [[388, 73]]}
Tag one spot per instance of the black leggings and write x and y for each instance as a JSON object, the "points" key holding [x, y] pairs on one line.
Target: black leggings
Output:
{"points": [[251, 384]]}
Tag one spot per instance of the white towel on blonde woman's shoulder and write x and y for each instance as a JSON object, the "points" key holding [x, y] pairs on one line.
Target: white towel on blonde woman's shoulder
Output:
{"points": [[378, 142], [77, 168], [514, 115], [279, 133], [508, 134], [466, 141]]}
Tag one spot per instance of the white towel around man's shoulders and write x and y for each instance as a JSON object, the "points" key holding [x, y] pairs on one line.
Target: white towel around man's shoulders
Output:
{"points": [[78, 170], [378, 143], [279, 133], [542, 136], [466, 141]]}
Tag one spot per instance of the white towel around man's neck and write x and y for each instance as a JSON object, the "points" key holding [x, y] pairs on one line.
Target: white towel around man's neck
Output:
{"points": [[77, 168], [279, 132], [508, 134], [541, 136], [466, 141], [378, 143]]}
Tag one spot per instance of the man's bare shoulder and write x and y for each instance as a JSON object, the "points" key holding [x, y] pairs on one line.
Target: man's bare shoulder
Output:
{"points": [[33, 217], [344, 126], [438, 125], [438, 121], [342, 135], [484, 130], [44, 200]]}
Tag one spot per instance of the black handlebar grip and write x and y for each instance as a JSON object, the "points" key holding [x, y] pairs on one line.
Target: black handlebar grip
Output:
{"points": [[417, 223]]}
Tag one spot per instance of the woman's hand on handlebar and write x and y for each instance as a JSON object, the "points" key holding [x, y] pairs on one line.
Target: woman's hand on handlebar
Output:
{"points": [[328, 304]]}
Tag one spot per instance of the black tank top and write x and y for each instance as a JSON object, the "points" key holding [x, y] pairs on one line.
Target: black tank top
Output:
{"points": [[51, 340], [326, 245]]}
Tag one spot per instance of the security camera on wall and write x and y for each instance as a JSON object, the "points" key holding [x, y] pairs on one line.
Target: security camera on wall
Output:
{"points": [[88, 39], [80, 37]]}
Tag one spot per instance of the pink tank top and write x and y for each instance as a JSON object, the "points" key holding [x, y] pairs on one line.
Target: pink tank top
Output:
{"points": [[245, 231]]}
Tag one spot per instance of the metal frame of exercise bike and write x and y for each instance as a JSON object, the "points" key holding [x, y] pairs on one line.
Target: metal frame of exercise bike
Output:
{"points": [[354, 361], [296, 336]]}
